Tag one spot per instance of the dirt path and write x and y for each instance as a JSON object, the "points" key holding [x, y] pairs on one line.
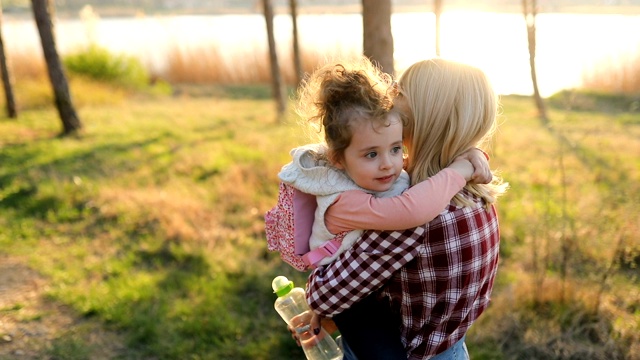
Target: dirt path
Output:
{"points": [[35, 327]]}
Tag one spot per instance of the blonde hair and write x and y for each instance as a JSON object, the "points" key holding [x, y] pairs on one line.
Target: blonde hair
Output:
{"points": [[454, 108], [337, 95]]}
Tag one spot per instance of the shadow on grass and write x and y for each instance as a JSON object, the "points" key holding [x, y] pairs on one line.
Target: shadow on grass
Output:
{"points": [[70, 348], [23, 187], [196, 311], [180, 262], [596, 102]]}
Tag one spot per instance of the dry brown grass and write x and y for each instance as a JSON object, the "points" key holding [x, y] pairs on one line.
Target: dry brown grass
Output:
{"points": [[31, 85], [178, 215], [27, 66], [620, 76], [206, 65], [202, 65], [210, 65]]}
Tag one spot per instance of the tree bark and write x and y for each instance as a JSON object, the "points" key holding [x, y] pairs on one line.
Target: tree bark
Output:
{"points": [[297, 61], [42, 11], [437, 11], [7, 80], [530, 9], [377, 37], [276, 78]]}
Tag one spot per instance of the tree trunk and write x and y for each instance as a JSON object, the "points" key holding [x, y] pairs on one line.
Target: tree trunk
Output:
{"points": [[437, 11], [42, 10], [7, 80], [530, 9], [276, 78], [377, 37], [297, 61]]}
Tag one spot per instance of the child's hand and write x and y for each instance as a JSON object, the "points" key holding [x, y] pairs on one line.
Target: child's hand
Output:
{"points": [[462, 167], [305, 326], [480, 162]]}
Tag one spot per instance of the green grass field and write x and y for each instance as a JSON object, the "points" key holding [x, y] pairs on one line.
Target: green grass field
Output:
{"points": [[151, 223]]}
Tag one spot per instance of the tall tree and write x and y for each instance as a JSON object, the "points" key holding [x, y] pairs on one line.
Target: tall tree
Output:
{"points": [[297, 61], [437, 11], [530, 10], [279, 91], [12, 112], [42, 11], [377, 37]]}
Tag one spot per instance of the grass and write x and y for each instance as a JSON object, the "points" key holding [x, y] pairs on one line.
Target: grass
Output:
{"points": [[151, 221], [125, 221], [208, 65], [615, 75], [569, 246]]}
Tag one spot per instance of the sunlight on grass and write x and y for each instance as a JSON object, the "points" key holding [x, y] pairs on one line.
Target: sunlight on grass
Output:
{"points": [[151, 220], [162, 211]]}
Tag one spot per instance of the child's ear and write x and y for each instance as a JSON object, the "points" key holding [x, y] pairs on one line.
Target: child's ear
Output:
{"points": [[335, 161]]}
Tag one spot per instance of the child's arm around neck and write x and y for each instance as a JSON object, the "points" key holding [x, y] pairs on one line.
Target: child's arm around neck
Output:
{"points": [[416, 206]]}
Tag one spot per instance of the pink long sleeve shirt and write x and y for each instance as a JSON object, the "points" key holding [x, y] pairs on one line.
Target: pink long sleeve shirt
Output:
{"points": [[418, 205]]}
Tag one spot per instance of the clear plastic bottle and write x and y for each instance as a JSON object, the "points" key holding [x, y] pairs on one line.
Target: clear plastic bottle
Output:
{"points": [[291, 302]]}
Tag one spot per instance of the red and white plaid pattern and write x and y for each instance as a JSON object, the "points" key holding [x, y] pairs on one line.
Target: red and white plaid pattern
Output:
{"points": [[446, 274]]}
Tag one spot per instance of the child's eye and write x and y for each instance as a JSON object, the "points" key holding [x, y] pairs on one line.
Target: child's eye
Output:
{"points": [[371, 155], [396, 150]]}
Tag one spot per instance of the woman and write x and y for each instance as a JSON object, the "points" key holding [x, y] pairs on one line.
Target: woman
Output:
{"points": [[438, 277]]}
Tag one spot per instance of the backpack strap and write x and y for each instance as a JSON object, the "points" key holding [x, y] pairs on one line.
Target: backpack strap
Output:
{"points": [[304, 208], [313, 257]]}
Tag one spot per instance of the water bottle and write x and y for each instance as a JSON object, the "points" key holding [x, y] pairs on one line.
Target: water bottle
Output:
{"points": [[291, 302]]}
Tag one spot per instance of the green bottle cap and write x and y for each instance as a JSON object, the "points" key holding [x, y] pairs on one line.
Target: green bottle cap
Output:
{"points": [[281, 285]]}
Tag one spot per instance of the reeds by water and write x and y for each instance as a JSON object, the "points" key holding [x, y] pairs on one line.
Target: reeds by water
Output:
{"points": [[210, 65]]}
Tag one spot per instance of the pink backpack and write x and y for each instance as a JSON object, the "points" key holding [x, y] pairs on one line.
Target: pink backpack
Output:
{"points": [[288, 229]]}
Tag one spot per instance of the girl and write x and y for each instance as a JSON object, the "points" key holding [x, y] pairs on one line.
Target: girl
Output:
{"points": [[357, 174]]}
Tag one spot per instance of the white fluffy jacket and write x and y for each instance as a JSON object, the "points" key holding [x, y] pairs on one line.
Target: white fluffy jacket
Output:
{"points": [[310, 172]]}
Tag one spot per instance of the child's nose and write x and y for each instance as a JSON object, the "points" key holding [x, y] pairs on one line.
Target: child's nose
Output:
{"points": [[385, 162]]}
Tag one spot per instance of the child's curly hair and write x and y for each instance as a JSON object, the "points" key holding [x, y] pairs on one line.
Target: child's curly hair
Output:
{"points": [[336, 95]]}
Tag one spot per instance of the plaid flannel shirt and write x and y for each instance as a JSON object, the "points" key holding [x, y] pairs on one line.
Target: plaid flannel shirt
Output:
{"points": [[438, 277]]}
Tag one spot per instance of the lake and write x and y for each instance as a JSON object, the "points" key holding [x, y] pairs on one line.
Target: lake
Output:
{"points": [[568, 44]]}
